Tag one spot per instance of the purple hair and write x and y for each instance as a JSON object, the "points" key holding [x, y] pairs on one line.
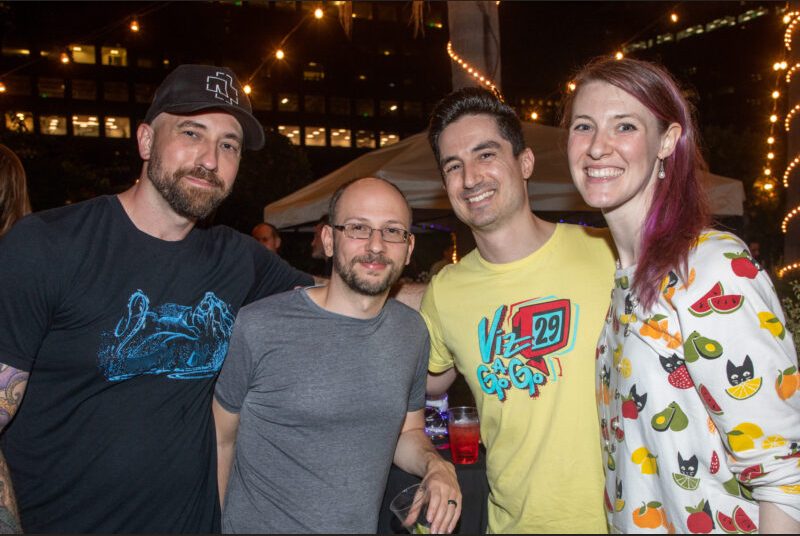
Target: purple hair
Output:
{"points": [[679, 209]]}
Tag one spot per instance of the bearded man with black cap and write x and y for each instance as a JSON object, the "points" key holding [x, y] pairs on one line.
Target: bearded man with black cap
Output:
{"points": [[116, 316]]}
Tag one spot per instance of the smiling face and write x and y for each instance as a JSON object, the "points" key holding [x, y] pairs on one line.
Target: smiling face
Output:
{"points": [[485, 182], [192, 160], [614, 146], [369, 266]]}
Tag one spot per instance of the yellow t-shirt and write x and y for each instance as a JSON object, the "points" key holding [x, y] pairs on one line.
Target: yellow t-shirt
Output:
{"points": [[524, 335]]}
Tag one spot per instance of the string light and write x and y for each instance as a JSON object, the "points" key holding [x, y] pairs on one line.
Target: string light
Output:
{"points": [[673, 17], [619, 55], [318, 13], [776, 94], [793, 164], [279, 54], [64, 58], [571, 87], [134, 25], [789, 116], [791, 19], [247, 89], [788, 268], [2, 87], [788, 218], [475, 73], [534, 116]]}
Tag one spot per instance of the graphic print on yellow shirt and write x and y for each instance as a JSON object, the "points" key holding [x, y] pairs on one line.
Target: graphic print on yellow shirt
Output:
{"points": [[520, 345], [524, 335]]}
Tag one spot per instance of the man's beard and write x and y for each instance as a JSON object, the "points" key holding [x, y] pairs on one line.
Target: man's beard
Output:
{"points": [[362, 286], [191, 203]]}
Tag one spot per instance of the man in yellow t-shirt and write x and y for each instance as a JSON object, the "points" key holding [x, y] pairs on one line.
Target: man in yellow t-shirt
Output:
{"points": [[519, 316]]}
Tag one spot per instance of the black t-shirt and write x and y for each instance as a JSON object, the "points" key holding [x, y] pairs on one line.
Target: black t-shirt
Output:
{"points": [[123, 335]]}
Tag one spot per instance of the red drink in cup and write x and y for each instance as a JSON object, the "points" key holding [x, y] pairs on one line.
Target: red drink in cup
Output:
{"points": [[465, 432]]}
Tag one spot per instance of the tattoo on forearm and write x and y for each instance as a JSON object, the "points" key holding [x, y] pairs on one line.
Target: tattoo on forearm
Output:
{"points": [[12, 387]]}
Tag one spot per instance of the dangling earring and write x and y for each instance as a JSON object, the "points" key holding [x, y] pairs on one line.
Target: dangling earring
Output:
{"points": [[661, 173]]}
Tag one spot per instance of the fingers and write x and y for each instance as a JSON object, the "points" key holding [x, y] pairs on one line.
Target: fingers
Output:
{"points": [[444, 507]]}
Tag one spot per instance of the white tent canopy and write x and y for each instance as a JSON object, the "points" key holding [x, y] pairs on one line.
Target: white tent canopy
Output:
{"points": [[411, 166]]}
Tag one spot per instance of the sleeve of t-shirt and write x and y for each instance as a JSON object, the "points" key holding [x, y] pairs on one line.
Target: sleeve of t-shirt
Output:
{"points": [[440, 357], [273, 274], [416, 399], [744, 326], [234, 378], [28, 291]]}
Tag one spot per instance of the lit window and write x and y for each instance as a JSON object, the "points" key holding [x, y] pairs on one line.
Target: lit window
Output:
{"points": [[290, 131], [53, 125], [315, 136], [287, 102], [117, 127], [313, 72], [365, 108], [365, 139], [19, 121], [84, 89], [116, 56], [340, 137], [389, 138], [51, 88], [115, 91], [82, 53], [85, 125], [314, 104]]}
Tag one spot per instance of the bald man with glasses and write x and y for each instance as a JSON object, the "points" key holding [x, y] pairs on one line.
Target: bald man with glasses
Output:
{"points": [[324, 387]]}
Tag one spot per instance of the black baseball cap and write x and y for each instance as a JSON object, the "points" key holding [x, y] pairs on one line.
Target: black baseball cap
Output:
{"points": [[194, 88]]}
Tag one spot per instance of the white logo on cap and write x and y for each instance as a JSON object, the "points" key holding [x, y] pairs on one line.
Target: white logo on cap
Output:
{"points": [[222, 87]]}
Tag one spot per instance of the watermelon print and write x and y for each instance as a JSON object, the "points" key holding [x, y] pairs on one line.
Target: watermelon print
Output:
{"points": [[700, 342]]}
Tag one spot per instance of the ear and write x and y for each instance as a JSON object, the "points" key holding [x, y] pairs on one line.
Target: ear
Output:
{"points": [[326, 235], [278, 243], [144, 138], [410, 248], [525, 159], [669, 140]]}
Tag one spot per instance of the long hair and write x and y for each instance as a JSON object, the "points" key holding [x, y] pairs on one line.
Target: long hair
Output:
{"points": [[14, 202], [679, 209]]}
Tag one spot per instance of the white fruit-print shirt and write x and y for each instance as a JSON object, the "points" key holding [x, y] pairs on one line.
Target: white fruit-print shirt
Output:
{"points": [[697, 398]]}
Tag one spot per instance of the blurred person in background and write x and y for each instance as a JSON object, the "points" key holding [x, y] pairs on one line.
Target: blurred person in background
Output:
{"points": [[268, 235]]}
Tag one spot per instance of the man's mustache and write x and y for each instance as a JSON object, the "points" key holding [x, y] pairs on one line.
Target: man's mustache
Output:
{"points": [[201, 173]]}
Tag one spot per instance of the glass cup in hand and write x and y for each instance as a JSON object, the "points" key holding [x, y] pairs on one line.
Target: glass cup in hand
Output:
{"points": [[411, 508], [465, 433]]}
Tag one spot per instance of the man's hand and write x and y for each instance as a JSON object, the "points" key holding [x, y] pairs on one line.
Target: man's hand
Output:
{"points": [[444, 506], [415, 454]]}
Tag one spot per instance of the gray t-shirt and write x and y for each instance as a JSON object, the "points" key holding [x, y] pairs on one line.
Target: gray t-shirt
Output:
{"points": [[322, 398]]}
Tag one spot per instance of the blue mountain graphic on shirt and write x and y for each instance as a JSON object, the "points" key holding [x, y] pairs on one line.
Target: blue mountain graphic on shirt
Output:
{"points": [[179, 341]]}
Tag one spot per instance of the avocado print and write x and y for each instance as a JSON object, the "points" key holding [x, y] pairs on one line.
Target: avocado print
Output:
{"points": [[697, 346], [671, 418]]}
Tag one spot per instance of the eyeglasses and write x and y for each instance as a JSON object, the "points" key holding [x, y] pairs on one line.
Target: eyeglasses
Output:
{"points": [[360, 231]]}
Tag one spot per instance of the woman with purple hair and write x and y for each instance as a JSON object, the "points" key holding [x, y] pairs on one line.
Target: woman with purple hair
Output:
{"points": [[696, 374]]}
